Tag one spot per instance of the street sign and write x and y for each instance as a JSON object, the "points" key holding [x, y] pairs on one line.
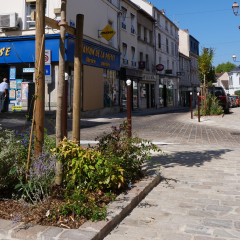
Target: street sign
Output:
{"points": [[159, 67], [107, 33], [47, 56], [12, 73], [48, 75]]}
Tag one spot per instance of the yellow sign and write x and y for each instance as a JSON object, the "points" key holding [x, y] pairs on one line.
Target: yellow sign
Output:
{"points": [[16, 108], [107, 33]]}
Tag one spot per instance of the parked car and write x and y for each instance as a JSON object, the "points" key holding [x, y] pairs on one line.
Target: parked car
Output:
{"points": [[236, 97], [221, 96]]}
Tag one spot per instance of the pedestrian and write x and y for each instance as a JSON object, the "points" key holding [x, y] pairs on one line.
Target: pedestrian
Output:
{"points": [[3, 94]]}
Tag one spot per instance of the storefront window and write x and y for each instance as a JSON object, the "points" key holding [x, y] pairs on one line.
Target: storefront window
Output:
{"points": [[111, 88], [135, 94], [123, 97], [161, 102], [143, 91], [170, 95]]}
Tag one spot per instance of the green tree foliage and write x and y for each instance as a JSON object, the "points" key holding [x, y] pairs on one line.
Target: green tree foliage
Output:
{"points": [[205, 65], [237, 93], [224, 67]]}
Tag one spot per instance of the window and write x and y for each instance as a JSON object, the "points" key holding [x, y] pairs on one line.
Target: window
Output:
{"points": [[110, 1], [111, 41], [150, 36], [133, 56], [159, 60], [166, 25], [194, 45], [147, 63], [172, 46], [141, 56], [171, 30], [191, 44], [158, 19], [181, 63], [176, 33], [132, 23], [31, 7], [176, 50], [167, 64], [139, 31], [159, 40], [124, 53], [230, 81], [145, 34], [172, 67], [124, 18], [167, 45]]}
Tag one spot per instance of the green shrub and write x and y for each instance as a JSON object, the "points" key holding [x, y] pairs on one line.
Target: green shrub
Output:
{"points": [[8, 154]]}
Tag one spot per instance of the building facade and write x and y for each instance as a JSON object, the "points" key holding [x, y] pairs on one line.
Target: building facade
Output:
{"points": [[101, 58], [166, 54], [234, 80]]}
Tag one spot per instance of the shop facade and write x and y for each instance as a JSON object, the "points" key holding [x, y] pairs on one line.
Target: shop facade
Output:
{"points": [[100, 82]]}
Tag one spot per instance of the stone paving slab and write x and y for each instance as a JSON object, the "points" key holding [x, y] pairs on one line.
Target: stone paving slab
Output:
{"points": [[198, 198]]}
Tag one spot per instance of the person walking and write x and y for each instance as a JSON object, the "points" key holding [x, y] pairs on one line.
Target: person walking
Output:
{"points": [[3, 94]]}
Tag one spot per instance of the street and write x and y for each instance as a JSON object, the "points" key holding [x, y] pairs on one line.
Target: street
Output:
{"points": [[199, 195]]}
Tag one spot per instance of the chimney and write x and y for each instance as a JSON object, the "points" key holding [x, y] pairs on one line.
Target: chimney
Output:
{"points": [[185, 30], [163, 12]]}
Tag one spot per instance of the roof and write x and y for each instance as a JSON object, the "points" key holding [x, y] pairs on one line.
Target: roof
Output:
{"points": [[218, 75], [147, 15], [194, 38], [236, 69], [133, 4], [225, 83]]}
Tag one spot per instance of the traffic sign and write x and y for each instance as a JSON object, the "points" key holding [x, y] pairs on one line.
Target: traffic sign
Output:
{"points": [[107, 32], [48, 75], [47, 56]]}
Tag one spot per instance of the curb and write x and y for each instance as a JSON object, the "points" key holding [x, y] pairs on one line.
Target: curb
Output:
{"points": [[116, 212]]}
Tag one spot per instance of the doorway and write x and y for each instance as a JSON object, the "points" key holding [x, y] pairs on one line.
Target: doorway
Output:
{"points": [[152, 95]]}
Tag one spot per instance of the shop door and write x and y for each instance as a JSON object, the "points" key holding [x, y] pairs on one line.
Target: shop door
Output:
{"points": [[152, 95], [147, 94], [164, 95]]}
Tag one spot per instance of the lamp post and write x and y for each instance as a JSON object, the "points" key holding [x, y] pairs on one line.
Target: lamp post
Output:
{"points": [[65, 103], [191, 104], [198, 107], [235, 8], [234, 58], [129, 108]]}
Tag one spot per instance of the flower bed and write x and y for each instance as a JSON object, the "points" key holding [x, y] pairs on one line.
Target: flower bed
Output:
{"points": [[92, 177]]}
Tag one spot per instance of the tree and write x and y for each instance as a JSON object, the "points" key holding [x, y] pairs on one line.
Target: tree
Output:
{"points": [[224, 67], [210, 77], [205, 66]]}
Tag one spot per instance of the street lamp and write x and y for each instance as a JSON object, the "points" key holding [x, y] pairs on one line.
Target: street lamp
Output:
{"points": [[191, 104], [235, 8], [234, 58], [129, 109]]}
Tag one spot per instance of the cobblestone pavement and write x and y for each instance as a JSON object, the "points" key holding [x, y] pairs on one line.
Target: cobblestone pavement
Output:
{"points": [[198, 198]]}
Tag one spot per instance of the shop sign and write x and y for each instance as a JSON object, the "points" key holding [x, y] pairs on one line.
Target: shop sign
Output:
{"points": [[149, 77], [47, 56], [17, 108], [5, 51], [99, 57], [12, 73], [107, 32], [28, 70], [159, 67]]}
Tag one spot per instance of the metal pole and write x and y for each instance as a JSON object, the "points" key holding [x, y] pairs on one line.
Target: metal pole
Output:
{"points": [[77, 79], [40, 77], [191, 105], [65, 105], [129, 108], [198, 108]]}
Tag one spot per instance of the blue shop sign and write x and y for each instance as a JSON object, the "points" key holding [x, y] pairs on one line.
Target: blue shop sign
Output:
{"points": [[95, 55]]}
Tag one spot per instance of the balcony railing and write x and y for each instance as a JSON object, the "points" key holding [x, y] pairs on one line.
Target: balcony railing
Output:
{"points": [[124, 26], [133, 64], [125, 61], [132, 30]]}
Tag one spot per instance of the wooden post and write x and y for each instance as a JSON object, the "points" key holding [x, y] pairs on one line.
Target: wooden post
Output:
{"points": [[61, 76], [77, 79], [65, 105], [191, 105], [205, 95], [39, 115], [61, 84]]}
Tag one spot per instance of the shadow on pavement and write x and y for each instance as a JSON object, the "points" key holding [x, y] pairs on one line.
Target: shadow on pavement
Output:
{"points": [[187, 158]]}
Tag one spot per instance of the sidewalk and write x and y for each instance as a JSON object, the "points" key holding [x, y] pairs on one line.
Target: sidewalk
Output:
{"points": [[198, 199]]}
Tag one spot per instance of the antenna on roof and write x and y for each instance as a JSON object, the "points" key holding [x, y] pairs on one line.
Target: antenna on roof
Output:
{"points": [[176, 22]]}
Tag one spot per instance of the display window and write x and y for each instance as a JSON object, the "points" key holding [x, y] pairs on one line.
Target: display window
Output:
{"points": [[111, 88]]}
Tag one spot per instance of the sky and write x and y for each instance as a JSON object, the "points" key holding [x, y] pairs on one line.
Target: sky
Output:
{"points": [[211, 22]]}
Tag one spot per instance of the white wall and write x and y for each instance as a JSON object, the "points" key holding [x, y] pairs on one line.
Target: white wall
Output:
{"points": [[184, 42]]}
